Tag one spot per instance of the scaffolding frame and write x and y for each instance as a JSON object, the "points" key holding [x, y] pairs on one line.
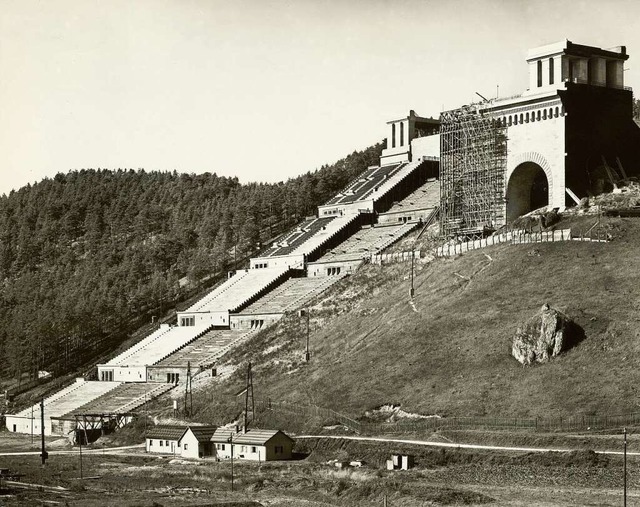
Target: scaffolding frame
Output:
{"points": [[473, 164]]}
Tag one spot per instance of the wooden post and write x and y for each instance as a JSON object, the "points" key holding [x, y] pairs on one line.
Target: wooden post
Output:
{"points": [[625, 468]]}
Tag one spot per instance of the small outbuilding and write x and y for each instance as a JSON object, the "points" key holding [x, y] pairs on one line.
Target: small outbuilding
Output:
{"points": [[163, 439], [254, 444], [195, 442]]}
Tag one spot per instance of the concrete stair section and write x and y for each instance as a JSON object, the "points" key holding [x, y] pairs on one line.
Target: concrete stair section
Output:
{"points": [[240, 291], [293, 239], [427, 196], [76, 395], [370, 240], [141, 345], [155, 351], [320, 238], [352, 191], [395, 179], [219, 291], [396, 235], [205, 349], [291, 295], [124, 399]]}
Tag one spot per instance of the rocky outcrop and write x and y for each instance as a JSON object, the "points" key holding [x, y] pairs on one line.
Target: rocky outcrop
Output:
{"points": [[545, 335]]}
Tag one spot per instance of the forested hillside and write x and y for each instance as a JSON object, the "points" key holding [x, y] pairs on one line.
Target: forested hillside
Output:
{"points": [[87, 256]]}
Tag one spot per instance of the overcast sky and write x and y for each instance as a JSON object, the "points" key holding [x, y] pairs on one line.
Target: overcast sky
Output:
{"points": [[263, 90]]}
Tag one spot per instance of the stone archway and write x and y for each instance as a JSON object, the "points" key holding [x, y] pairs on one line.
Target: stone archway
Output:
{"points": [[528, 189]]}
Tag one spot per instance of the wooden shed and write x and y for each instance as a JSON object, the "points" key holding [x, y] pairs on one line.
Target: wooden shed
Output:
{"points": [[255, 444]]}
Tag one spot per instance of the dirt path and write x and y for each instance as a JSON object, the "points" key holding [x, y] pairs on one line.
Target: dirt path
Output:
{"points": [[76, 451], [453, 445]]}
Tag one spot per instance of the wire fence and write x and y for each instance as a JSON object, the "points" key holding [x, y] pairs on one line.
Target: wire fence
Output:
{"points": [[581, 422]]}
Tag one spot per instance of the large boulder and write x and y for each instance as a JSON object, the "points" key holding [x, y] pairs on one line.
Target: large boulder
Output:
{"points": [[545, 335]]}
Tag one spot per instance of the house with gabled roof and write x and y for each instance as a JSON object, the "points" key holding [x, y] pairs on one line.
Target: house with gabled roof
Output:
{"points": [[195, 442], [254, 444], [163, 439]]}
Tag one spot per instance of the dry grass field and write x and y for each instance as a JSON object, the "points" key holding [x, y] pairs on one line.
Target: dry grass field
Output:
{"points": [[448, 351]]}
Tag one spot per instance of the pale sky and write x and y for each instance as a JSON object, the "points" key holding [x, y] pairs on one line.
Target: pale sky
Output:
{"points": [[262, 90]]}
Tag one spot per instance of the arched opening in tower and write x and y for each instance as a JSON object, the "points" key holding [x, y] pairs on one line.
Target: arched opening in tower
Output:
{"points": [[527, 190]]}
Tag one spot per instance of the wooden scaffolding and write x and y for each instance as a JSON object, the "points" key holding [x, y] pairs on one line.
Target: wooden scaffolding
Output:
{"points": [[473, 162]]}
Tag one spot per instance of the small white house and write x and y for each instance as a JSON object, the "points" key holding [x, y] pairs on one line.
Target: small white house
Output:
{"points": [[254, 445], [163, 439], [195, 442]]}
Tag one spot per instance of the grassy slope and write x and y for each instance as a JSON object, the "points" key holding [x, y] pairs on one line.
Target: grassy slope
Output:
{"points": [[452, 355]]}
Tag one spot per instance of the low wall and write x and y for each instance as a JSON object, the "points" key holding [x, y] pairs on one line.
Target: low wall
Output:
{"points": [[389, 258], [513, 237], [254, 321]]}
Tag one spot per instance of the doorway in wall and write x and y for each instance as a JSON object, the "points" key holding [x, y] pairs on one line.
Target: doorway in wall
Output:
{"points": [[527, 190]]}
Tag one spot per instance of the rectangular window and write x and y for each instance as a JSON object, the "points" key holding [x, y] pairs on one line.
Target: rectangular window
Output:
{"points": [[551, 77], [279, 449], [254, 449], [150, 443], [186, 446], [243, 448], [167, 443], [160, 443], [539, 64]]}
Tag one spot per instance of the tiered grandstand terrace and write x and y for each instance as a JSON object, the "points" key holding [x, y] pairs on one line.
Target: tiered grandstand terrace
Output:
{"points": [[366, 184], [236, 292], [416, 206], [292, 240], [66, 400], [323, 236], [205, 350], [124, 399], [163, 345], [291, 295], [370, 240]]}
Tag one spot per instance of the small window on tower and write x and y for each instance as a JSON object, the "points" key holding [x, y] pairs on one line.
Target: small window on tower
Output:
{"points": [[539, 73]]}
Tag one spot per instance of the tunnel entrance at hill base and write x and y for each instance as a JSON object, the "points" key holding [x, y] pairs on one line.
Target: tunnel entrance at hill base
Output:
{"points": [[527, 190]]}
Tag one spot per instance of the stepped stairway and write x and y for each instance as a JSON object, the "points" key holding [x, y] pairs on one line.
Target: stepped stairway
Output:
{"points": [[124, 399], [287, 243], [240, 289], [170, 340], [368, 241], [206, 349], [425, 197], [291, 295], [365, 184], [396, 178], [324, 236], [65, 400]]}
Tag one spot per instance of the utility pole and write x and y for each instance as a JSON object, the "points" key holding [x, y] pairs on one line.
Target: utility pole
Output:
{"points": [[188, 396], [44, 454], [305, 313], [307, 355], [231, 443], [413, 258], [248, 393], [625, 468], [80, 440]]}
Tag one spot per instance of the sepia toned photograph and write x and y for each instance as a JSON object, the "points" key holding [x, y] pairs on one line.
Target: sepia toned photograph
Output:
{"points": [[315, 253]]}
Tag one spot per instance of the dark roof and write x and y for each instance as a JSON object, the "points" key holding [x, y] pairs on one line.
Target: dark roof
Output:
{"points": [[166, 432], [202, 433], [251, 437]]}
